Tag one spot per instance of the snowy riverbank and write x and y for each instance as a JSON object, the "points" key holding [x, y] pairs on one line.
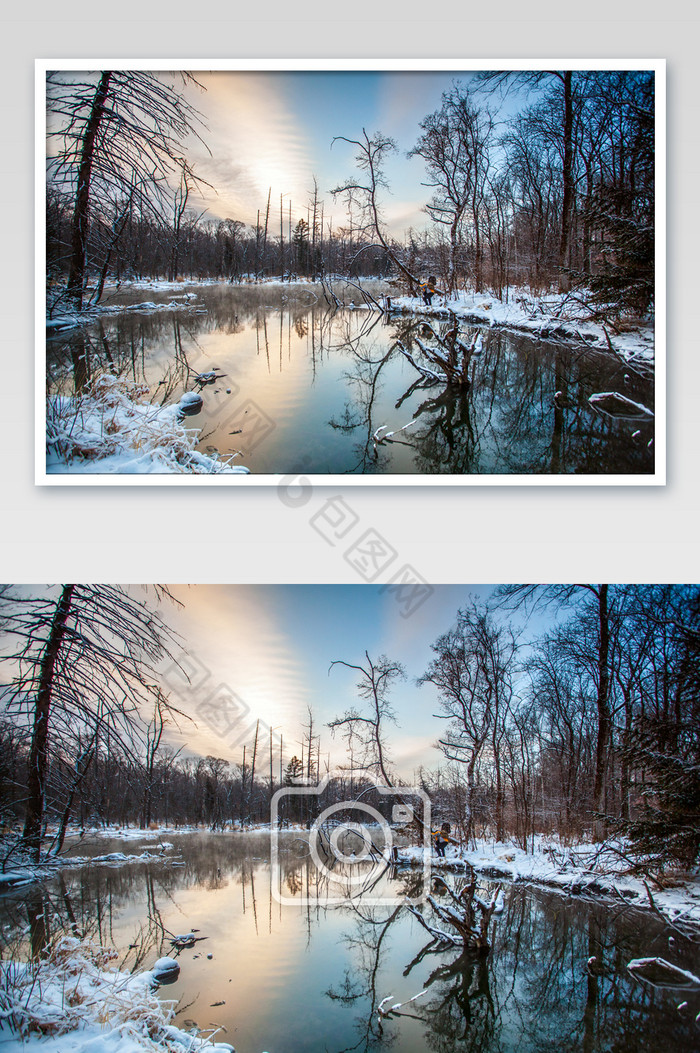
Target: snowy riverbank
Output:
{"points": [[592, 869], [112, 429], [553, 316], [584, 869], [23, 872], [74, 1000]]}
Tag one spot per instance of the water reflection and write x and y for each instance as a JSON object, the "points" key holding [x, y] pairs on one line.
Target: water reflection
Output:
{"points": [[327, 379], [309, 978]]}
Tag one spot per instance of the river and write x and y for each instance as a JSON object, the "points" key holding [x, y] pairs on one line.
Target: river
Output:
{"points": [[306, 977], [302, 387]]}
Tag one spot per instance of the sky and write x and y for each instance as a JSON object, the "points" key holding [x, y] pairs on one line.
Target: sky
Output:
{"points": [[275, 130], [272, 647], [244, 654]]}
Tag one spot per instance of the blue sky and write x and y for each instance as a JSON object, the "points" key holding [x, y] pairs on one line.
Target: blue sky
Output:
{"points": [[273, 644], [275, 129]]}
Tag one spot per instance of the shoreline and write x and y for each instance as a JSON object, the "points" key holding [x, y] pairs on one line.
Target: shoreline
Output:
{"points": [[582, 869], [550, 316]]}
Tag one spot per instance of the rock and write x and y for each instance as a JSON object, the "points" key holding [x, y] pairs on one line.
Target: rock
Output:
{"points": [[660, 973], [616, 405], [190, 404], [166, 971]]}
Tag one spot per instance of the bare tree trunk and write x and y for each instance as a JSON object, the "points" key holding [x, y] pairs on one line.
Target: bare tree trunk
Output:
{"points": [[38, 754], [568, 198], [81, 216], [82, 764], [603, 703], [255, 753]]}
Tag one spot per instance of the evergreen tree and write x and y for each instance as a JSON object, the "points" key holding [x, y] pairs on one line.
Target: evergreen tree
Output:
{"points": [[294, 772], [623, 210], [302, 247], [665, 750]]}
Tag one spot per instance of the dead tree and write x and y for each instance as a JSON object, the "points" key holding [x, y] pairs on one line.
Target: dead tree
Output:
{"points": [[365, 195], [120, 134], [468, 914], [449, 358]]}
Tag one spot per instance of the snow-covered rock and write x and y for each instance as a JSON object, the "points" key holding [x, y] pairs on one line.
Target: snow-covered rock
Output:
{"points": [[166, 970], [660, 973], [190, 403], [617, 405]]}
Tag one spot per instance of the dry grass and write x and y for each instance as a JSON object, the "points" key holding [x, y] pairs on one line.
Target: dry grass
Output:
{"points": [[74, 985], [114, 419]]}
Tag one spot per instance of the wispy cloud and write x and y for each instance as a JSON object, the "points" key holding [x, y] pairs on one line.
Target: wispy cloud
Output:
{"points": [[256, 142], [235, 633]]}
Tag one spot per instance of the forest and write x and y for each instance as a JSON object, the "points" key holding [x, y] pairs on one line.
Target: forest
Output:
{"points": [[587, 731], [556, 192], [533, 876]]}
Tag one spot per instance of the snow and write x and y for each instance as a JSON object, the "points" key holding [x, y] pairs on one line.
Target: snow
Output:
{"points": [[134, 833], [186, 301], [25, 872], [660, 973], [595, 869], [111, 430], [71, 320], [75, 1001], [556, 316]]}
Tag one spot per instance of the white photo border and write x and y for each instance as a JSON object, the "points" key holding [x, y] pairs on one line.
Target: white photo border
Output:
{"points": [[42, 66]]}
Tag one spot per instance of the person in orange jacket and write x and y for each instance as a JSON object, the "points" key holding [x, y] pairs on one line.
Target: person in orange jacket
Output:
{"points": [[441, 839], [428, 289]]}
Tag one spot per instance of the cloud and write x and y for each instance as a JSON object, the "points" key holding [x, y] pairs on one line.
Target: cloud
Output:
{"points": [[256, 145], [233, 633]]}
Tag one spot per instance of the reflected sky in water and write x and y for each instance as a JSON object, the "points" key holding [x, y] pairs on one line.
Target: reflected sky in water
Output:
{"points": [[305, 978], [303, 388]]}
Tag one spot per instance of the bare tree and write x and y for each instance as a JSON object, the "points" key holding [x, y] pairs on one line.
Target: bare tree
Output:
{"points": [[455, 145], [365, 732], [370, 157], [472, 672], [124, 131], [84, 659]]}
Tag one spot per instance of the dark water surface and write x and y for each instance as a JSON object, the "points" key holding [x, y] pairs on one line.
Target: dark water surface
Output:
{"points": [[309, 979], [305, 387]]}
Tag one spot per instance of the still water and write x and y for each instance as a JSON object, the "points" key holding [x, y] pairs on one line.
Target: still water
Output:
{"points": [[305, 978], [302, 387]]}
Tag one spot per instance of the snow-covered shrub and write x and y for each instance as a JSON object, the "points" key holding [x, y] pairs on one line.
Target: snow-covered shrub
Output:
{"points": [[112, 428], [74, 987]]}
